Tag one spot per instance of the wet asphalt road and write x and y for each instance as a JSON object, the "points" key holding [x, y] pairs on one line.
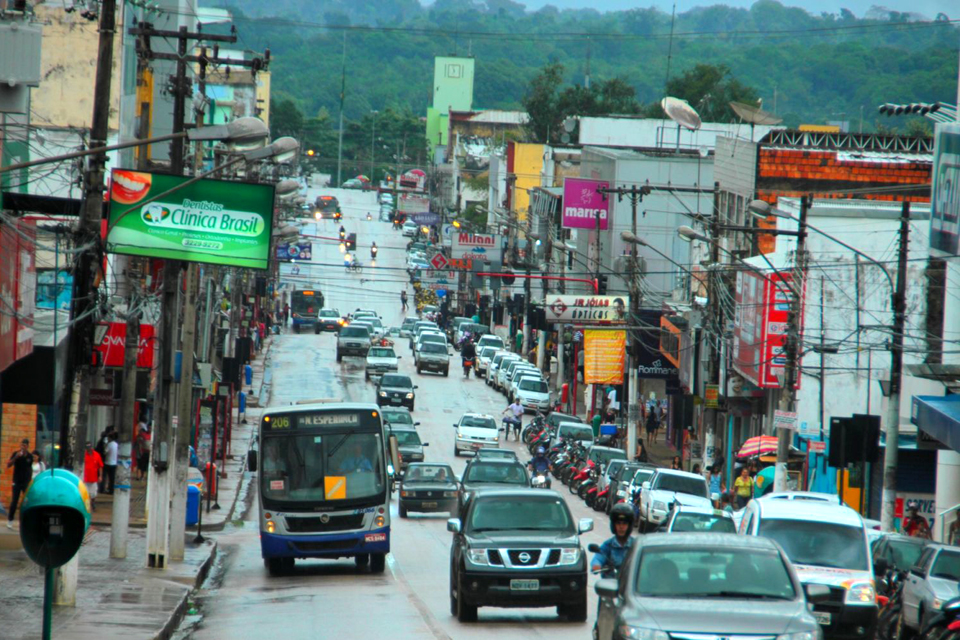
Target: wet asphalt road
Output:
{"points": [[332, 599]]}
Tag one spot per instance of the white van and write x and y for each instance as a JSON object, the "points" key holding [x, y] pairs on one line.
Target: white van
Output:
{"points": [[827, 543]]}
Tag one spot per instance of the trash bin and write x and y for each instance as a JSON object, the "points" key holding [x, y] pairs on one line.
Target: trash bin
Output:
{"points": [[193, 505], [248, 374]]}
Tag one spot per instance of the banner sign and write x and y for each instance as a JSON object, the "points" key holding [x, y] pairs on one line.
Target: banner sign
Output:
{"points": [[650, 362], [945, 197], [588, 309], [412, 204], [582, 204], [604, 355], [287, 252], [477, 246], [426, 218], [211, 221], [112, 349], [760, 327], [448, 279], [711, 396], [785, 420]]}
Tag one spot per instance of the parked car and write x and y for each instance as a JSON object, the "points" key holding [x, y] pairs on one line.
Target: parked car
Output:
{"points": [[381, 360], [396, 389], [898, 552], [428, 487], [533, 393], [827, 543], [697, 585], [518, 548], [668, 486], [577, 431], [475, 430], [498, 360], [353, 341], [687, 519], [489, 340], [930, 583], [406, 327], [484, 356], [620, 482]]}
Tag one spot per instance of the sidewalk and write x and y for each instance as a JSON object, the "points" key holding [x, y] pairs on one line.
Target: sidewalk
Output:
{"points": [[122, 598]]}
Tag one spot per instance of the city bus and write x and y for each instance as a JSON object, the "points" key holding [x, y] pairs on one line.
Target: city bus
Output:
{"points": [[328, 207], [305, 305], [325, 483]]}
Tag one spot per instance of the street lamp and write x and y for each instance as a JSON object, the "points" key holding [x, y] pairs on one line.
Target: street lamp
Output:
{"points": [[286, 189], [280, 151]]}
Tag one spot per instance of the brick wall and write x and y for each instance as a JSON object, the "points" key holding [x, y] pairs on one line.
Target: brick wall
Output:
{"points": [[19, 422]]}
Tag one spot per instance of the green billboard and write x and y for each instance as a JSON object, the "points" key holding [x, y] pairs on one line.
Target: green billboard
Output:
{"points": [[212, 221]]}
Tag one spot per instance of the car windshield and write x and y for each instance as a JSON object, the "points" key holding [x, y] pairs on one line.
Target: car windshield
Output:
{"points": [[698, 572], [326, 313], [488, 352], [603, 455], [393, 380], [475, 329], [642, 476], [355, 332], [432, 473], [394, 416], [681, 484], [479, 422], [703, 522], [556, 418], [409, 438], [947, 566], [298, 468], [493, 341], [495, 472], [381, 352], [804, 542], [374, 321], [408, 323], [433, 347], [500, 454], [526, 513], [435, 338], [575, 432], [538, 386], [904, 554]]}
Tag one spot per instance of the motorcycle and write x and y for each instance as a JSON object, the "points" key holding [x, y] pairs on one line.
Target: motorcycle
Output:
{"points": [[602, 499], [373, 252], [540, 480], [369, 216], [889, 616], [467, 366], [943, 625]]}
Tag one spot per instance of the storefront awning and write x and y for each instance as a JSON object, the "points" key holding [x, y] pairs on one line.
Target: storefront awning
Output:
{"points": [[939, 417]]}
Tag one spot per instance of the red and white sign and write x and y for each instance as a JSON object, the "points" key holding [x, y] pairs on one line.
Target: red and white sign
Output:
{"points": [[817, 446], [375, 537], [477, 246], [760, 327], [17, 290], [111, 347], [438, 261]]}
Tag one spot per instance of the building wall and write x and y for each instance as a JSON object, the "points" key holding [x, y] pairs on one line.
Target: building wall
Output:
{"points": [[19, 421], [526, 168], [649, 133], [68, 66], [453, 83]]}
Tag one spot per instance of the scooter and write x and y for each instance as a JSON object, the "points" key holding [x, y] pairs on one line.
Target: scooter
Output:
{"points": [[467, 366]]}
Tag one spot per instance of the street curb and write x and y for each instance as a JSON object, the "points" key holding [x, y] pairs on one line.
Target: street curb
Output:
{"points": [[166, 632]]}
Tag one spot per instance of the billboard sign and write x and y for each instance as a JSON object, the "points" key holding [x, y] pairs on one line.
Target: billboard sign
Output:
{"points": [[111, 347], [760, 327], [410, 203], [426, 217], [211, 221], [945, 200], [484, 247], [587, 309], [650, 362], [17, 290], [604, 355], [582, 204], [298, 251]]}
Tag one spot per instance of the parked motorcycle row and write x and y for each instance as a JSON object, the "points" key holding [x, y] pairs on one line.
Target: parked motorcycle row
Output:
{"points": [[944, 625]]}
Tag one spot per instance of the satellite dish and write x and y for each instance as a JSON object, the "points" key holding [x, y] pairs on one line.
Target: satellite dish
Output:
{"points": [[754, 115], [565, 138], [569, 124], [681, 112]]}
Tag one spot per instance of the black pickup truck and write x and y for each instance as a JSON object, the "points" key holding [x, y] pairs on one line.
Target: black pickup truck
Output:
{"points": [[517, 548]]}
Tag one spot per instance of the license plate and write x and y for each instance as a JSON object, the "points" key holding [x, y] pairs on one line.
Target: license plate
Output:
{"points": [[524, 585], [375, 537], [822, 617], [396, 400], [427, 505]]}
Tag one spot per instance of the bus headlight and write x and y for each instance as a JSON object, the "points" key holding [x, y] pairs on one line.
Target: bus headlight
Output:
{"points": [[379, 521], [271, 527]]}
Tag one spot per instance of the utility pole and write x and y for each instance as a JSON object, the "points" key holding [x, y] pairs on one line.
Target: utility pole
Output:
{"points": [[185, 413], [891, 454], [84, 291], [716, 314], [121, 502], [788, 392]]}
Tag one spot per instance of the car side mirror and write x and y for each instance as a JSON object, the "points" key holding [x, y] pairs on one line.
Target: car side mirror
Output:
{"points": [[453, 525], [424, 444], [607, 588], [585, 524], [880, 567], [817, 592], [454, 425], [416, 424], [416, 386]]}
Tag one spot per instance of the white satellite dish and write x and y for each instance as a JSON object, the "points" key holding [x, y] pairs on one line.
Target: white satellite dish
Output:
{"points": [[754, 115], [681, 112]]}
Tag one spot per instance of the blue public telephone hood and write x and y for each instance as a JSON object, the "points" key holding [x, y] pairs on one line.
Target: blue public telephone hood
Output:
{"points": [[54, 517]]}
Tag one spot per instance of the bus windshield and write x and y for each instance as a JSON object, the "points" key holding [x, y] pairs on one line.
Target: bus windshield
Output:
{"points": [[320, 467], [306, 303]]}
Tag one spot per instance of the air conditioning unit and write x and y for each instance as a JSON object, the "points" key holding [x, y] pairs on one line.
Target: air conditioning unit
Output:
{"points": [[19, 62]]}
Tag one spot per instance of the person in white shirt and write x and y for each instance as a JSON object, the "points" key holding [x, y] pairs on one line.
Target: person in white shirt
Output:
{"points": [[111, 452]]}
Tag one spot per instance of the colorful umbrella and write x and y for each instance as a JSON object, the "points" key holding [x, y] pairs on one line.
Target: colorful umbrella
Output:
{"points": [[758, 445], [362, 178]]}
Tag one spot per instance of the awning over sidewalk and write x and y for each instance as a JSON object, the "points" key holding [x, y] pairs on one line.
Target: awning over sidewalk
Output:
{"points": [[938, 416]]}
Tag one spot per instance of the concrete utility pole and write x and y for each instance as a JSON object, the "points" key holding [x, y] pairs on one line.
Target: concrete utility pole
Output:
{"points": [[121, 502], [788, 392], [716, 314], [891, 453], [185, 413]]}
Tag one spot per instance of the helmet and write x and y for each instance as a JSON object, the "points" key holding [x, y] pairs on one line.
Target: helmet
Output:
{"points": [[621, 512], [541, 451], [913, 506]]}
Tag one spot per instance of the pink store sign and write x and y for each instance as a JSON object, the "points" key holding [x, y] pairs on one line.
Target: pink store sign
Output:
{"points": [[582, 203]]}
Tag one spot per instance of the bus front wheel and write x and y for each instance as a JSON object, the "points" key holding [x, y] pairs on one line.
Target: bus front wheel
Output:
{"points": [[378, 562], [362, 559]]}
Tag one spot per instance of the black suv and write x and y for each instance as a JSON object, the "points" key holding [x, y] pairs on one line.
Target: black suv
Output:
{"points": [[518, 548]]}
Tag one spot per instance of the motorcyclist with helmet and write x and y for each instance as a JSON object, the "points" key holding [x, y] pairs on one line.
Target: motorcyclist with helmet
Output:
{"points": [[608, 560], [540, 463], [468, 354], [914, 524], [343, 233], [373, 250]]}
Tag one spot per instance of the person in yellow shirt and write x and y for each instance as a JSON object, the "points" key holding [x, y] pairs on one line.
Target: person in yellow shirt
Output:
{"points": [[743, 487]]}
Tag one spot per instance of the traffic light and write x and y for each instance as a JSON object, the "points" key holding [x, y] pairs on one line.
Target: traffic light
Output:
{"points": [[601, 284], [507, 277]]}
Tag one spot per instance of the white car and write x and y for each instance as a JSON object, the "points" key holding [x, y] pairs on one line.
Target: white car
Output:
{"points": [[579, 431], [381, 360], [501, 359], [489, 340], [666, 487], [533, 394], [524, 368], [484, 356], [428, 337], [371, 327], [475, 431], [518, 373], [410, 228]]}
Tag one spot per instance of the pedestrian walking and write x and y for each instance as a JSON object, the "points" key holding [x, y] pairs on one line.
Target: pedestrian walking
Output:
{"points": [[286, 313], [92, 473], [652, 425], [39, 466], [403, 300], [143, 450], [112, 452], [22, 462], [743, 486]]}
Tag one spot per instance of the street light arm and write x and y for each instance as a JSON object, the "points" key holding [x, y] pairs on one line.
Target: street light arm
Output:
{"points": [[92, 151]]}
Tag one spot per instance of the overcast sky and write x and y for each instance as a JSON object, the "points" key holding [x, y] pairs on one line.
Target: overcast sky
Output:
{"points": [[930, 8]]}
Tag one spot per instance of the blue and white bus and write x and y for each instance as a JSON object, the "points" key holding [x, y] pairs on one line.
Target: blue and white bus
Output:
{"points": [[325, 482]]}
